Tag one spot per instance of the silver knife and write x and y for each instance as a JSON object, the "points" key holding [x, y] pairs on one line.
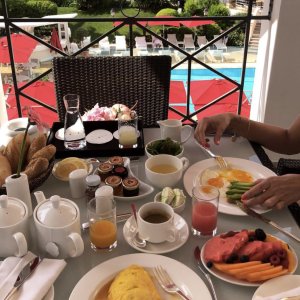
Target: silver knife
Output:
{"points": [[25, 273], [255, 215], [197, 253]]}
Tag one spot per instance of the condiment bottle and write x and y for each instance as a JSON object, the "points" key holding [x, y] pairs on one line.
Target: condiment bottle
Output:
{"points": [[93, 183]]}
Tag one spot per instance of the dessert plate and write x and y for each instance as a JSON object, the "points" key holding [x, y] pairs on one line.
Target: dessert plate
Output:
{"points": [[243, 282], [129, 230], [187, 280], [144, 188], [193, 174]]}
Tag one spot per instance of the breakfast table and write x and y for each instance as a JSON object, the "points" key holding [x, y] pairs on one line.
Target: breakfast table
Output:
{"points": [[77, 267]]}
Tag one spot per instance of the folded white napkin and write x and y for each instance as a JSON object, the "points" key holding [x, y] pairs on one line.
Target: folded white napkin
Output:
{"points": [[290, 293], [37, 285]]}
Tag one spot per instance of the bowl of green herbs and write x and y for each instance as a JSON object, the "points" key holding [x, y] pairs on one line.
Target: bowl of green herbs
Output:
{"points": [[166, 146]]}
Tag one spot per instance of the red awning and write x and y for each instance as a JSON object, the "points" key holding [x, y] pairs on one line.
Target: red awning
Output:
{"points": [[177, 92], [55, 40], [196, 22], [171, 22]]}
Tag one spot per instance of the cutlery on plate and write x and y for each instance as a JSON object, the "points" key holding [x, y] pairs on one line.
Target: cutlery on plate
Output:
{"points": [[197, 254], [220, 160], [120, 218], [25, 273], [166, 282], [137, 240], [255, 215]]}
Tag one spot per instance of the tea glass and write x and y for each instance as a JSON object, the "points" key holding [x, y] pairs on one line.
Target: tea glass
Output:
{"points": [[127, 128], [205, 203], [103, 225]]}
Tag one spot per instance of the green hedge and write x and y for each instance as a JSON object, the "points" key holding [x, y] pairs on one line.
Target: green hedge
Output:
{"points": [[211, 30], [237, 37], [182, 31], [167, 12], [220, 10], [15, 8], [191, 7]]}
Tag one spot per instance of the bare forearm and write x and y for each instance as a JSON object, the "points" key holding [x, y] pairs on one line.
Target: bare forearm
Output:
{"points": [[277, 139]]}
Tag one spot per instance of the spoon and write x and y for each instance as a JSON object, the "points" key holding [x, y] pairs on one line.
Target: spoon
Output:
{"points": [[137, 240]]}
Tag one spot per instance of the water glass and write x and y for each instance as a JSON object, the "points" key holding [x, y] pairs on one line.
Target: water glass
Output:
{"points": [[74, 134], [103, 225], [127, 125], [205, 205]]}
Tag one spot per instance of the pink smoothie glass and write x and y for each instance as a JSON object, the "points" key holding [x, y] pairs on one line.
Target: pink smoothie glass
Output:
{"points": [[205, 205]]}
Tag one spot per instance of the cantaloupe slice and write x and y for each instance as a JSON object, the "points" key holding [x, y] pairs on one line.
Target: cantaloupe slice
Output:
{"points": [[249, 269], [243, 275], [266, 277], [226, 267], [265, 272]]}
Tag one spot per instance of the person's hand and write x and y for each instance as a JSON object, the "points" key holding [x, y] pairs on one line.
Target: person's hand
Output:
{"points": [[217, 124], [274, 192]]}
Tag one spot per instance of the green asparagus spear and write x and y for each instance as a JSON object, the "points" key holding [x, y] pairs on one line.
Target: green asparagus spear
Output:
{"points": [[234, 197], [234, 187], [235, 191], [242, 184]]}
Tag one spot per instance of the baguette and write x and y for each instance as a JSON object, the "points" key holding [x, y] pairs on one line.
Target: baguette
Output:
{"points": [[46, 152], [13, 150], [37, 144], [36, 168], [5, 169]]}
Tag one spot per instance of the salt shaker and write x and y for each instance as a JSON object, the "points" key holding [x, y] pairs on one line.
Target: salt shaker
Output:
{"points": [[77, 180]]}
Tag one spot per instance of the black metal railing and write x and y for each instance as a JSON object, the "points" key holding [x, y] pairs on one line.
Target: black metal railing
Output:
{"points": [[128, 20]]}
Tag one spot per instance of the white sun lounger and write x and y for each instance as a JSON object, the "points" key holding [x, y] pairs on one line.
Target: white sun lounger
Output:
{"points": [[215, 54], [200, 55], [120, 43], [172, 39], [219, 44], [201, 39], [104, 43], [179, 56], [140, 42], [188, 41]]}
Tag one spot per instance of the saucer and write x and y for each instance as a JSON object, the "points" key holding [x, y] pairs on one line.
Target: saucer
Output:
{"points": [[165, 247]]}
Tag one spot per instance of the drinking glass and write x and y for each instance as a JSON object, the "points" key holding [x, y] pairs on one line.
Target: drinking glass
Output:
{"points": [[74, 130], [103, 225], [205, 205], [127, 125]]}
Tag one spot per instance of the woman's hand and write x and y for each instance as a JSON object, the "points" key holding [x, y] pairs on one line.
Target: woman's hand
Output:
{"points": [[217, 124], [274, 192]]}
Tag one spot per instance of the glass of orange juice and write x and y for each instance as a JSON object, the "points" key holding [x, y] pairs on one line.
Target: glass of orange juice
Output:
{"points": [[103, 225]]}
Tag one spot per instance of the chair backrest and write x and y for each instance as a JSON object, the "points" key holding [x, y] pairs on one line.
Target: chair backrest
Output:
{"points": [[201, 39], [111, 80], [141, 40], [188, 36], [104, 43], [120, 39], [172, 37]]}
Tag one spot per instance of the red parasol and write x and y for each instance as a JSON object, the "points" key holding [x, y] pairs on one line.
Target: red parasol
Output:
{"points": [[55, 40], [175, 116], [196, 22], [177, 92], [5, 87], [22, 46], [171, 23], [118, 23]]}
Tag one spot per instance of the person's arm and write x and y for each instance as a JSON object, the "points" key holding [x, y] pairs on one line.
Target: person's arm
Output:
{"points": [[277, 139]]}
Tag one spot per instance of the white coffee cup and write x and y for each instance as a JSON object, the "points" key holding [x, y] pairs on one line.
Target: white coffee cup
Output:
{"points": [[165, 180], [161, 232], [173, 129], [14, 227]]}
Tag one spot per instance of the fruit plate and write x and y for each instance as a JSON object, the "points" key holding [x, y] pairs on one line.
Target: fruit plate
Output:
{"points": [[192, 174], [145, 189], [244, 282], [90, 167]]}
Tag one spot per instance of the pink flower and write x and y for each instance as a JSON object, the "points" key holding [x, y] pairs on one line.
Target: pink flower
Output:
{"points": [[35, 118]]}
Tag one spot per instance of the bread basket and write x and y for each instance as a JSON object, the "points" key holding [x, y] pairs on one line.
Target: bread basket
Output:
{"points": [[38, 181]]}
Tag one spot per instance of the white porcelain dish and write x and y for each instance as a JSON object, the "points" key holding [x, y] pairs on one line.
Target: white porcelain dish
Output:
{"points": [[242, 282], [191, 178], [144, 188], [277, 286], [179, 209], [150, 155], [188, 281], [90, 167]]}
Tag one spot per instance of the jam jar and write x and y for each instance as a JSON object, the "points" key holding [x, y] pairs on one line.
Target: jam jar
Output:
{"points": [[116, 183], [116, 161], [130, 187], [120, 171], [104, 170]]}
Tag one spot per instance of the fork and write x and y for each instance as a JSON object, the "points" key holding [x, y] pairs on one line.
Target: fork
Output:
{"points": [[220, 160], [166, 282]]}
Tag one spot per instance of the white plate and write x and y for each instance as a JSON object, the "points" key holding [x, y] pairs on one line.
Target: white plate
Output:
{"points": [[243, 282], [277, 286], [144, 188], [257, 170], [129, 230], [188, 281], [99, 136], [50, 293], [90, 166]]}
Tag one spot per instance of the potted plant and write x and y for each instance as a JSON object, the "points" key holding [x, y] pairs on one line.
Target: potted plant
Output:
{"points": [[81, 34]]}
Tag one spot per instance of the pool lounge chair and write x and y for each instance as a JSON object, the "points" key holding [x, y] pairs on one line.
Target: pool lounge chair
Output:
{"points": [[140, 42], [219, 44], [215, 54], [157, 43], [120, 43], [86, 41], [179, 55], [201, 40], [104, 44], [188, 41], [172, 39], [200, 55]]}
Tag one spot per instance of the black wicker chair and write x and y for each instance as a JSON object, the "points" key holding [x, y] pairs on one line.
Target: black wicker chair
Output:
{"points": [[111, 80]]}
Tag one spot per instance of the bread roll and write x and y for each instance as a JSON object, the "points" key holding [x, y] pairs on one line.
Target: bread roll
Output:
{"points": [[36, 168], [37, 144], [46, 152], [13, 150], [5, 169]]}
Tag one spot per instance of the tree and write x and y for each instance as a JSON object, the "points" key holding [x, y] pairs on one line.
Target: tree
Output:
{"points": [[191, 7], [167, 12], [207, 3], [237, 37], [220, 10]]}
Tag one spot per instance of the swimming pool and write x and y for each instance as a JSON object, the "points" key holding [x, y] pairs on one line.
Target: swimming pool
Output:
{"points": [[205, 74]]}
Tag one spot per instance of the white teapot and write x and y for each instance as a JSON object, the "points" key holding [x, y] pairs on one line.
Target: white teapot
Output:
{"points": [[58, 226], [14, 227]]}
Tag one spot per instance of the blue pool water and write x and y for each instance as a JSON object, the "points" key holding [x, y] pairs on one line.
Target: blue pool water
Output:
{"points": [[205, 74]]}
